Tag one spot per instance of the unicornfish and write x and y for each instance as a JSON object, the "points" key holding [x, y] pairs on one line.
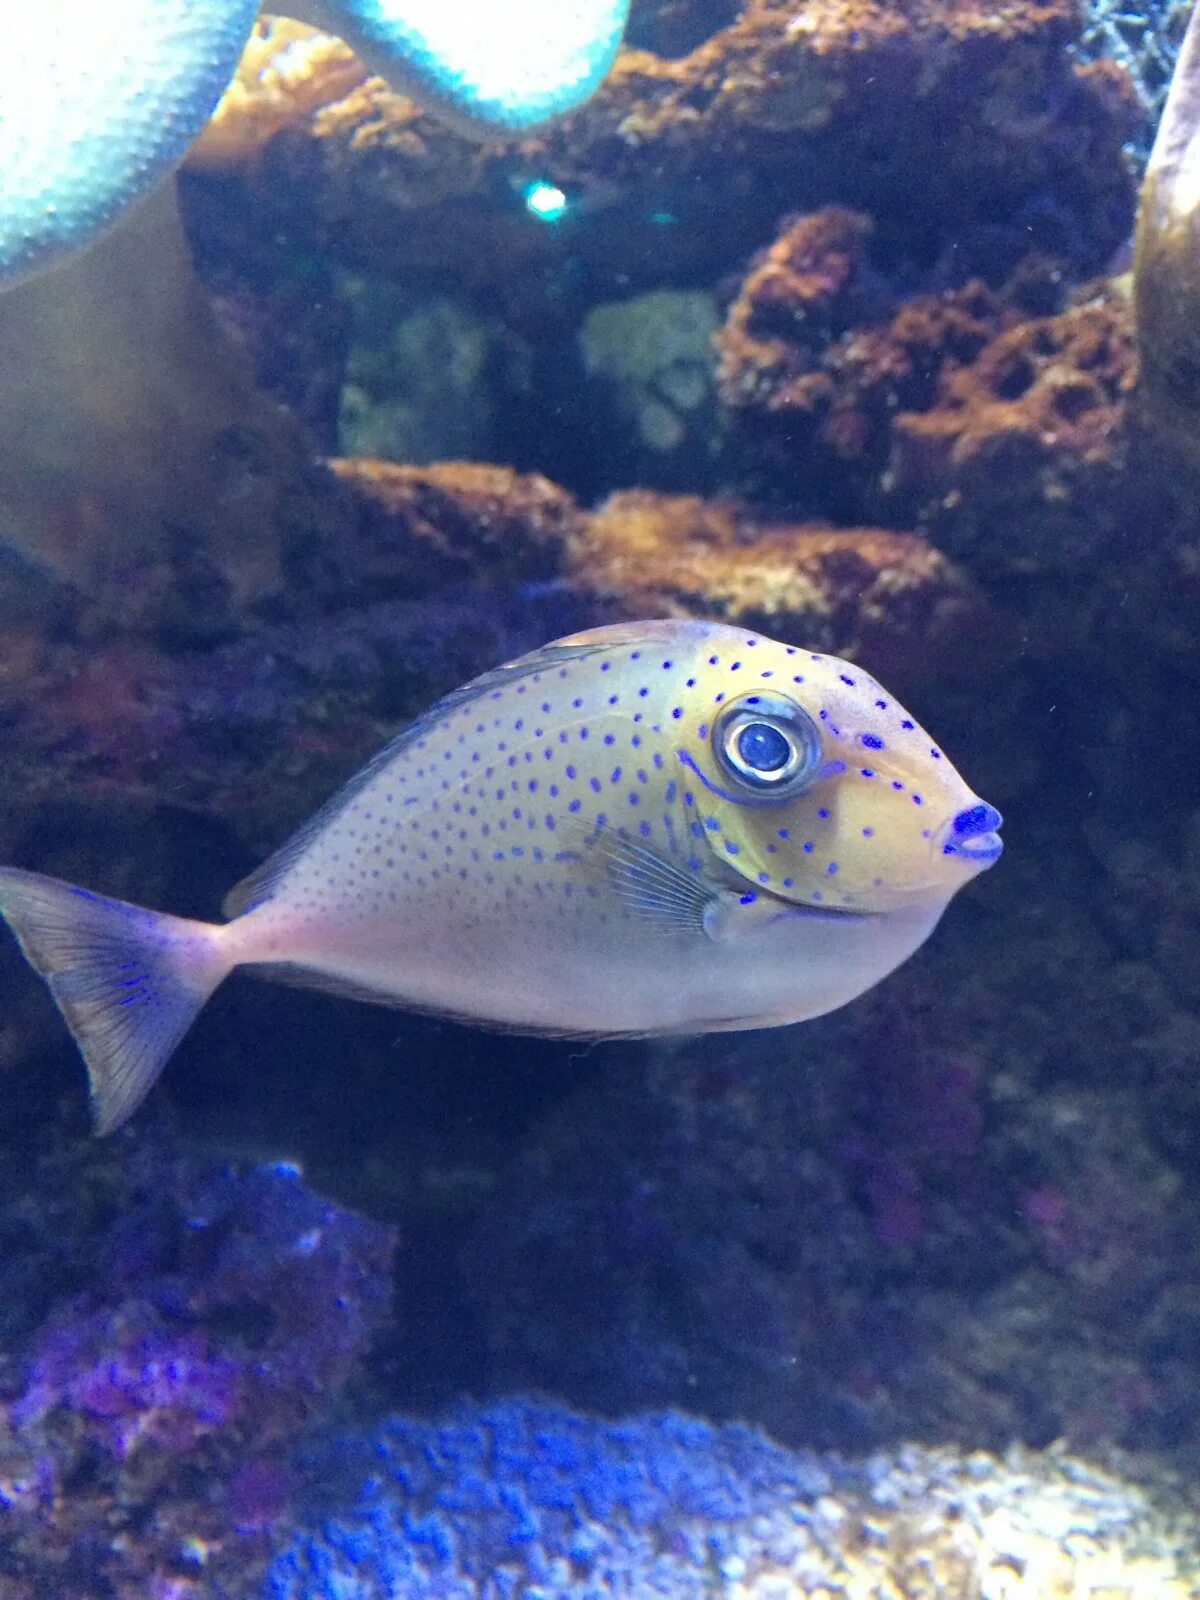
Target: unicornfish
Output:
{"points": [[652, 828], [99, 101]]}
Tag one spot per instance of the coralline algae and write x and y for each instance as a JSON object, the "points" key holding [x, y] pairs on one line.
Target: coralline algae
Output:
{"points": [[198, 1316], [524, 1498]]}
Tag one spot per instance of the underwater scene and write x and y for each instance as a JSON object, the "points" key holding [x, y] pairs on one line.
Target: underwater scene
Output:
{"points": [[600, 776]]}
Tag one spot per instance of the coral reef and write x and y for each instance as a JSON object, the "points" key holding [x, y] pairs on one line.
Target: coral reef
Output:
{"points": [[964, 1212], [188, 1320], [1006, 436], [887, 598], [419, 528], [1024, 458], [880, 1226], [849, 103], [286, 72], [524, 1498]]}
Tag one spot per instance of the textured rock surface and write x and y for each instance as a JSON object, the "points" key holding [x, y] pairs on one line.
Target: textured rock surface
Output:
{"points": [[1007, 436], [171, 1326], [522, 1497], [887, 598], [1025, 457], [849, 102], [286, 72]]}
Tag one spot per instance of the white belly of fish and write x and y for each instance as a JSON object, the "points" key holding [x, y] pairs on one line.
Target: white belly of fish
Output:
{"points": [[621, 976]]}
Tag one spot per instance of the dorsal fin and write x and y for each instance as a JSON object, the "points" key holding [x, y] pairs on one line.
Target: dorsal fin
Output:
{"points": [[262, 883]]}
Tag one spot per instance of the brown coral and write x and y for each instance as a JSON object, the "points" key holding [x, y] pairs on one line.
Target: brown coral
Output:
{"points": [[815, 373], [287, 71], [797, 297], [1022, 460], [887, 598], [846, 97], [421, 526], [1006, 436]]}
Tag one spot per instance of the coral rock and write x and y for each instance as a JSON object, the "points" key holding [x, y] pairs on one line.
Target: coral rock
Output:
{"points": [[795, 300], [833, 99], [1006, 437], [1022, 460], [286, 72], [888, 599], [526, 1498], [158, 1401], [429, 526]]}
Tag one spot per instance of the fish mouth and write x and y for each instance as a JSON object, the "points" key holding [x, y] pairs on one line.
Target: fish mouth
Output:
{"points": [[973, 834]]}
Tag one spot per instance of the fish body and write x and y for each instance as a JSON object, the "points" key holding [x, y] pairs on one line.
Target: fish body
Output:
{"points": [[653, 828]]}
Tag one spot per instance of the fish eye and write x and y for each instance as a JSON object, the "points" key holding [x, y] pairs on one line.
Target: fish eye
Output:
{"points": [[768, 744]]}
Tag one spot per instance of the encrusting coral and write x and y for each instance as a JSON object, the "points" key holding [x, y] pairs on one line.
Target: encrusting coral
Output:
{"points": [[189, 1319], [835, 101], [888, 598], [1025, 459], [1008, 436], [524, 1498], [286, 72], [965, 1210]]}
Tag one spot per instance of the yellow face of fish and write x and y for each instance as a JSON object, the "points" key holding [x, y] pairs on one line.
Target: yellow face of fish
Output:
{"points": [[807, 779]]}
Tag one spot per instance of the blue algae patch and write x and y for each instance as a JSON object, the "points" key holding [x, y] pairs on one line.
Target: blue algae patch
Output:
{"points": [[524, 1498]]}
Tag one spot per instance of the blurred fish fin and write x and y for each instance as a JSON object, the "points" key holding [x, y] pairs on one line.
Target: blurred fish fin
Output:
{"points": [[657, 630], [128, 982]]}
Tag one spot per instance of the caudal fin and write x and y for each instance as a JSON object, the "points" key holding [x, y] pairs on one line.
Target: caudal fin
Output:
{"points": [[129, 982]]}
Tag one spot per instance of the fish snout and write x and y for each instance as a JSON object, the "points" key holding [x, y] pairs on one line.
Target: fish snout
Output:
{"points": [[973, 834]]}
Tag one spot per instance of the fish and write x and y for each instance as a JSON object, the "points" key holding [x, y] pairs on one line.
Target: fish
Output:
{"points": [[651, 828]]}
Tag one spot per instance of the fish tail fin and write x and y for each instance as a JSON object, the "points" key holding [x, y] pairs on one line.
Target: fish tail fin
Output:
{"points": [[129, 982]]}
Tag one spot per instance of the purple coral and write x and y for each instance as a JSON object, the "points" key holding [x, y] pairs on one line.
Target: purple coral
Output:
{"points": [[227, 1309], [268, 1298]]}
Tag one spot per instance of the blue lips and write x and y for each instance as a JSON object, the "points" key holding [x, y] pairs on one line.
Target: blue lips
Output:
{"points": [[974, 833]]}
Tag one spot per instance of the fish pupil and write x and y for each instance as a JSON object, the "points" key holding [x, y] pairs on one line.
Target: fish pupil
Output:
{"points": [[763, 748]]}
